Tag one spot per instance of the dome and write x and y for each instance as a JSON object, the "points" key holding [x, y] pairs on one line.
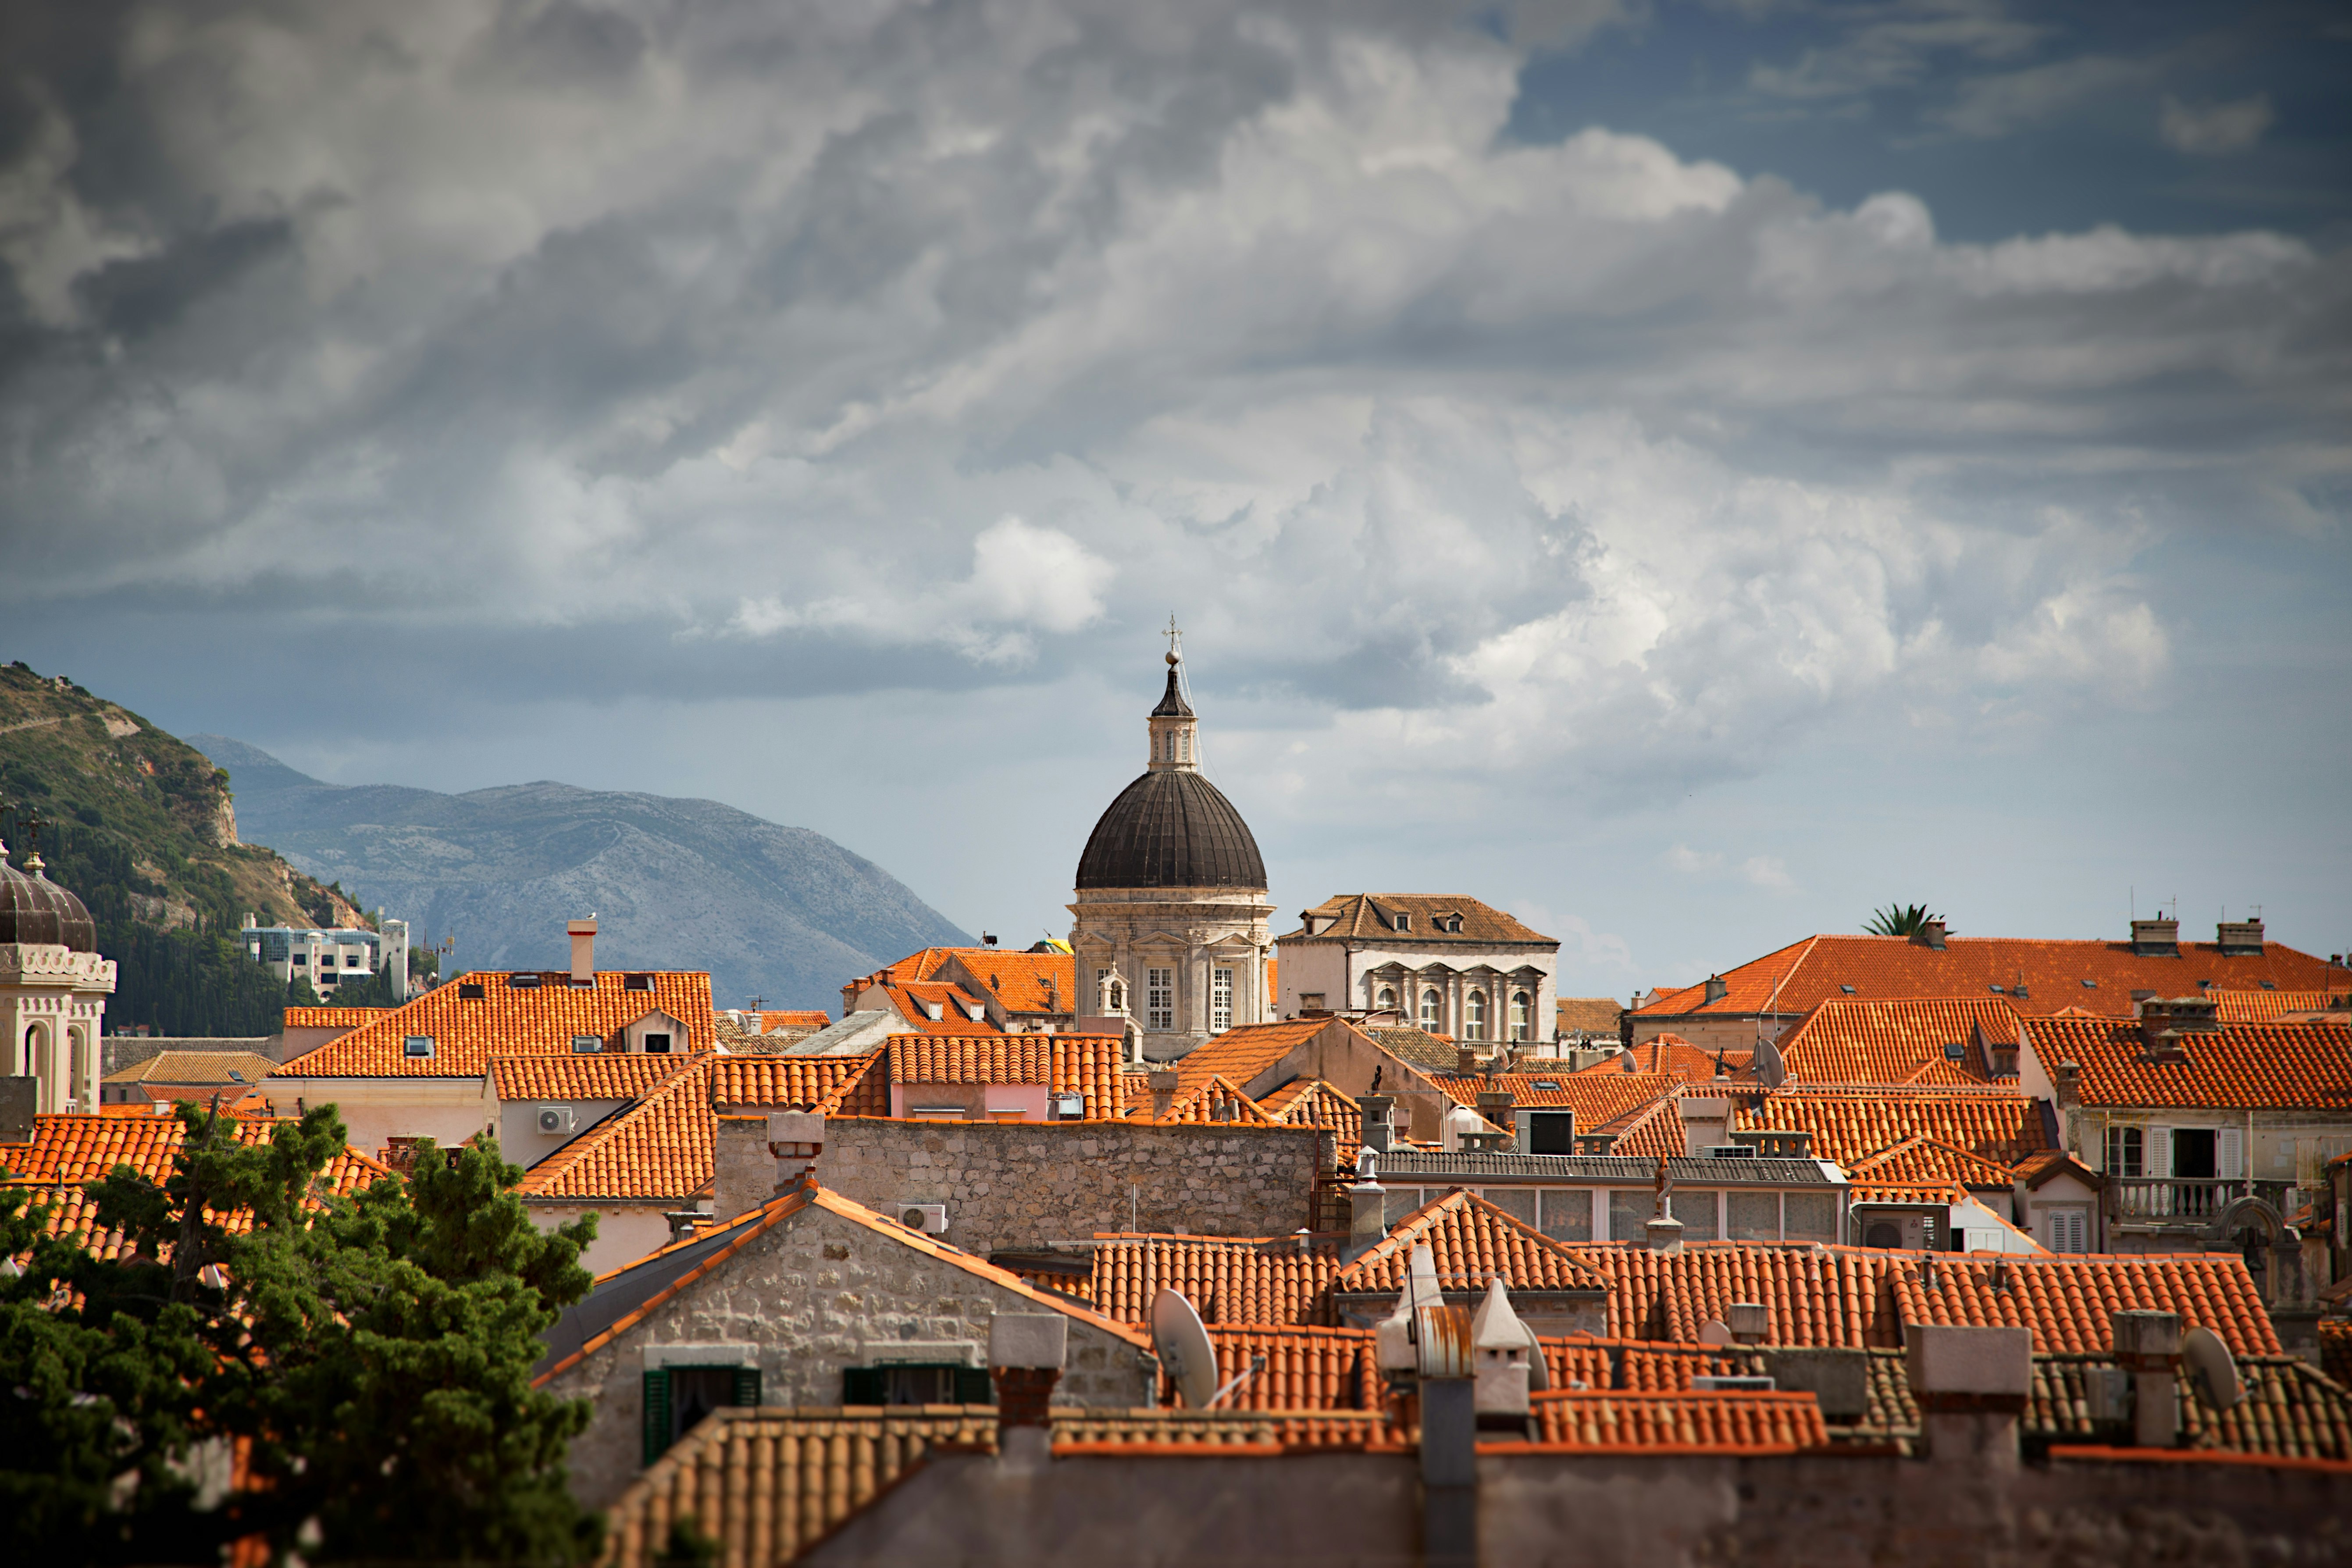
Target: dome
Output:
{"points": [[1172, 828], [34, 909]]}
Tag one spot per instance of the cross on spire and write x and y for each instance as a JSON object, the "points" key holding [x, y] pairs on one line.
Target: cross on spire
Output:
{"points": [[1175, 641]]}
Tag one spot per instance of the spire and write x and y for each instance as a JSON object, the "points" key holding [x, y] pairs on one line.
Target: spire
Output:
{"points": [[1175, 730]]}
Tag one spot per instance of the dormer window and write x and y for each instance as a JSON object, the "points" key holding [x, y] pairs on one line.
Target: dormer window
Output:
{"points": [[936, 1011], [1403, 920], [657, 1045], [522, 982], [637, 983], [418, 1047], [587, 1045]]}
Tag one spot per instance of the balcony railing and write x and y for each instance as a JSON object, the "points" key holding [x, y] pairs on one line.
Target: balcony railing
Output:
{"points": [[2187, 1200]]}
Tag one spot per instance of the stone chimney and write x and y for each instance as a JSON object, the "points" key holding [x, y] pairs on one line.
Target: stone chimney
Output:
{"points": [[2148, 1346], [1716, 989], [1025, 1351], [1379, 1124], [1971, 1385], [2240, 938], [1930, 934], [1466, 1059], [583, 949], [1749, 1323], [1163, 1094], [1706, 1122], [795, 1138], [1495, 1105], [1367, 1224], [2156, 939], [2069, 1085], [743, 1173]]}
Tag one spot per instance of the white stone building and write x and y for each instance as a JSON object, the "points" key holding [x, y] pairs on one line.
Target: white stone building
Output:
{"points": [[1446, 964], [327, 957], [53, 989], [1170, 927]]}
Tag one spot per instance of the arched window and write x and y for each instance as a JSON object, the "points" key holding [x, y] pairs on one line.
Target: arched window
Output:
{"points": [[1473, 1019], [1428, 1006], [77, 1057], [1520, 1004], [1386, 1000], [1117, 998]]}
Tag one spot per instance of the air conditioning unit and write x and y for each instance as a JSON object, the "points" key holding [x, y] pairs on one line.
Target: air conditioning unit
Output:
{"points": [[557, 1119], [930, 1218]]}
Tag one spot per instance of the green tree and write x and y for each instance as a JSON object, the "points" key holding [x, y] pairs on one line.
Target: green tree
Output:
{"points": [[1899, 920], [371, 1358], [300, 992]]}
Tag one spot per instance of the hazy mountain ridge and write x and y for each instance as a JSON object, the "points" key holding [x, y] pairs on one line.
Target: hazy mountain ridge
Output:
{"points": [[781, 912]]}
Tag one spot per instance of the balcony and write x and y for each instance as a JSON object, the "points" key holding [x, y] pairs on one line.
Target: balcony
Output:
{"points": [[2186, 1202]]}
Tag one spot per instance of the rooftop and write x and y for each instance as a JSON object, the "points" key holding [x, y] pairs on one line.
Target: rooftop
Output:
{"points": [[1427, 920], [541, 1017], [2238, 1065]]}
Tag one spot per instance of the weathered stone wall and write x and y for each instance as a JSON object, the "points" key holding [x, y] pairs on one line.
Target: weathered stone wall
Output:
{"points": [[808, 1297], [1022, 1183]]}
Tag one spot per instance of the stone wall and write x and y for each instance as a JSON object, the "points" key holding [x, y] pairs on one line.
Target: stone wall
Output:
{"points": [[808, 1297], [1022, 1183]]}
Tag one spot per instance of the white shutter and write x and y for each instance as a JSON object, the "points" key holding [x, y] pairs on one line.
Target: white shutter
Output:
{"points": [[2159, 1153], [2066, 1231], [2229, 1154]]}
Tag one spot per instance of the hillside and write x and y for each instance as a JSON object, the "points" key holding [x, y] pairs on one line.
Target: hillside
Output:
{"points": [[142, 828], [778, 912]]}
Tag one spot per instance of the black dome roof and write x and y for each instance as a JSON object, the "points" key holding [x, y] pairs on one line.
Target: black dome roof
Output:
{"points": [[35, 909], [1172, 828]]}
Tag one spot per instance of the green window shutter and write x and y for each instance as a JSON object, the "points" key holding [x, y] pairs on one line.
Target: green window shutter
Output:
{"points": [[747, 1386], [864, 1385], [657, 1412], [971, 1386]]}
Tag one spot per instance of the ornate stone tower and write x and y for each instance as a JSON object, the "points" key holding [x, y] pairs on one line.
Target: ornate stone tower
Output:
{"points": [[1171, 898], [53, 988]]}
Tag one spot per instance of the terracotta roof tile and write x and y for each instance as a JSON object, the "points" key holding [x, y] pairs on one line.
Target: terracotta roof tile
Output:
{"points": [[2066, 1301], [1079, 1064], [1588, 1014], [659, 1149], [601, 1075], [1373, 915], [1312, 1103], [1242, 1054], [1034, 983], [1849, 1124], [2285, 1066], [507, 1020], [1711, 1423], [1218, 1100], [330, 1017], [190, 1067], [1862, 1040], [1923, 1160], [2267, 1006], [915, 1001], [1610, 1100], [1676, 1058], [1472, 1242], [831, 1086], [1644, 1366], [1306, 1368], [1429, 1052], [1808, 972], [1229, 1280]]}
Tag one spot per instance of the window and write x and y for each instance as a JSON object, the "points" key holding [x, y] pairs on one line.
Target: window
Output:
{"points": [[303, 958], [1847, 989], [350, 961], [1809, 1216], [1221, 1000], [416, 1046], [1551, 1132], [636, 983], [657, 1045], [2126, 1156], [1473, 1026], [1429, 1013], [1311, 1002], [1404, 920], [1521, 1004], [1386, 1000], [927, 1382], [469, 991], [2194, 1154], [1752, 1216], [1696, 1211], [587, 1045], [678, 1397], [522, 982], [1568, 1214], [2069, 1230], [1519, 1203], [1160, 998]]}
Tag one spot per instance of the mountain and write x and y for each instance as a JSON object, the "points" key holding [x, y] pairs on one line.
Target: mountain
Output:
{"points": [[139, 827], [777, 913]]}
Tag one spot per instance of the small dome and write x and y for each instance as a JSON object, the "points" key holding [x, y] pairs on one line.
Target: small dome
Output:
{"points": [[36, 911], [1172, 828]]}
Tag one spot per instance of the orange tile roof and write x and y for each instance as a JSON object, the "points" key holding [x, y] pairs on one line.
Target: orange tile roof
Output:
{"points": [[1850, 1124], [1599, 1098], [1809, 972], [1654, 1130], [795, 1018], [1312, 1103], [1472, 1242], [508, 1021], [916, 1000], [658, 1149], [1676, 1058], [1219, 1100], [1645, 1365], [1242, 1054], [1853, 1040], [1039, 982], [603, 1074], [831, 1086], [1923, 1160], [1081, 1064], [330, 1017], [1266, 1280], [1682, 1423], [1373, 916], [1858, 1297], [211, 1069], [2264, 1006], [1588, 1014], [1306, 1368], [2239, 1066]]}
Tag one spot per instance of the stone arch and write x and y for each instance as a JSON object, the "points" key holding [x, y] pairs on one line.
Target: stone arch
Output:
{"points": [[77, 1066], [2247, 1213], [38, 1063]]}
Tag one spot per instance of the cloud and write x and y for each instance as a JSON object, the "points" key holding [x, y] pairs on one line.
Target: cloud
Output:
{"points": [[2008, 101], [2210, 129], [1894, 46], [1765, 871], [933, 345]]}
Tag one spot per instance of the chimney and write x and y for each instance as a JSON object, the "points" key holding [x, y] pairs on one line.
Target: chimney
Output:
{"points": [[583, 951], [1495, 1105], [1502, 1345], [1931, 934], [1446, 1360], [795, 1138], [1368, 1222], [1748, 1323], [1025, 1351], [2148, 1346], [1163, 1094], [2240, 938], [1716, 990], [743, 1174], [1971, 1384], [2069, 1085], [1379, 1130], [1706, 1122], [1665, 1234], [2156, 939], [1466, 1059]]}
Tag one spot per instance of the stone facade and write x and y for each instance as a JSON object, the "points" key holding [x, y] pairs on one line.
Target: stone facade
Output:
{"points": [[1023, 1183], [52, 1020], [812, 1295]]}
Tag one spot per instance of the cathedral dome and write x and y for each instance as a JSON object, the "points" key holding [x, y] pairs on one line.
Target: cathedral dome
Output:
{"points": [[36, 911], [1172, 828]]}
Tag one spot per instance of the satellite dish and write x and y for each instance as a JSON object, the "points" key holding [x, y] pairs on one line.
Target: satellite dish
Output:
{"points": [[1184, 1349], [1715, 1332], [2213, 1368]]}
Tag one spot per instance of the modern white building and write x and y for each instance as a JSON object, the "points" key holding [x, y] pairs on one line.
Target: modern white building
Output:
{"points": [[328, 957]]}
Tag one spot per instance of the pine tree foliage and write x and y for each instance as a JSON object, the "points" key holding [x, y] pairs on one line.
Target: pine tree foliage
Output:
{"points": [[365, 1362]]}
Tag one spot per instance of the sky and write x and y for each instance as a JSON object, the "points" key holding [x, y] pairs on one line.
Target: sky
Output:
{"points": [[1687, 473]]}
